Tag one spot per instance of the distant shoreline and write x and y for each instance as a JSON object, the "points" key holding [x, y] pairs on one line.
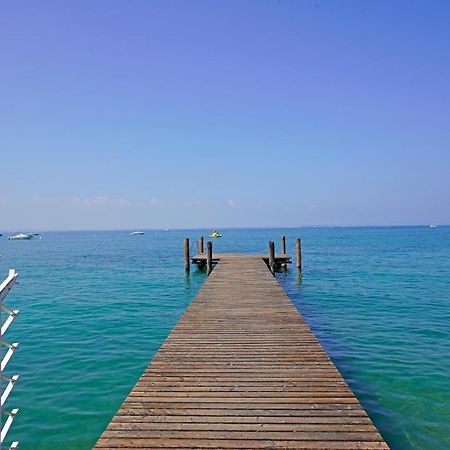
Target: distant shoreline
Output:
{"points": [[288, 227]]}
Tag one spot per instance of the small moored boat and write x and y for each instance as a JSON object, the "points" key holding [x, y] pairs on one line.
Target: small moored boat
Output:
{"points": [[136, 233], [20, 236], [215, 234]]}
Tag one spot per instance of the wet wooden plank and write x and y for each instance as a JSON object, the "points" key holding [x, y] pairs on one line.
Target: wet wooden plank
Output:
{"points": [[241, 369]]}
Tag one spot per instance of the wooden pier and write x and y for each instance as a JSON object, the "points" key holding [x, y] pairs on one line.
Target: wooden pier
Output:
{"points": [[241, 370]]}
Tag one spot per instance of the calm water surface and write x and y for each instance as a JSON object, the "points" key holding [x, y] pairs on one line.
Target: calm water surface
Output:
{"points": [[96, 306]]}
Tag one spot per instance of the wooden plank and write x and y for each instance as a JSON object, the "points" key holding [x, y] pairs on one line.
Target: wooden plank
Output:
{"points": [[190, 443], [241, 369]]}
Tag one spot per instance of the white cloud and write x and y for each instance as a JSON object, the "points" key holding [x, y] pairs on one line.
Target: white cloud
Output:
{"points": [[38, 199], [99, 200], [193, 204], [153, 202], [104, 200], [80, 202], [121, 202], [231, 204]]}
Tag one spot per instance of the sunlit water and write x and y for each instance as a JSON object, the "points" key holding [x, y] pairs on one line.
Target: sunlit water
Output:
{"points": [[96, 306]]}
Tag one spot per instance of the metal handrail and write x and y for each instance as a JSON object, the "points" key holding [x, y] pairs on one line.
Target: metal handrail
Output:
{"points": [[5, 287], [9, 282]]}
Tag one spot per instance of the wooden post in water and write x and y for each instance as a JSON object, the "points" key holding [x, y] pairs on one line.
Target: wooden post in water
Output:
{"points": [[209, 265], [299, 254], [187, 261], [283, 244], [201, 249], [272, 256]]}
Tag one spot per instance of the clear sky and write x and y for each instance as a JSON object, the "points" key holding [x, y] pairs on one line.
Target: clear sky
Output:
{"points": [[164, 114]]}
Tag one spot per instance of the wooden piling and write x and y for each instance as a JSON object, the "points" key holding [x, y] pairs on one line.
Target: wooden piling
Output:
{"points": [[272, 256], [209, 265], [283, 244], [201, 249], [299, 254], [187, 261]]}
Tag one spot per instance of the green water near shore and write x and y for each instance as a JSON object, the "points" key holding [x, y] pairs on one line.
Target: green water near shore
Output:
{"points": [[96, 306]]}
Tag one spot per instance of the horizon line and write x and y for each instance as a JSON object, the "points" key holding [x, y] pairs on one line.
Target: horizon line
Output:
{"points": [[229, 228]]}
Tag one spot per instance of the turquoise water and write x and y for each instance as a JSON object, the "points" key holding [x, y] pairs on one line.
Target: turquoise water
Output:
{"points": [[96, 306]]}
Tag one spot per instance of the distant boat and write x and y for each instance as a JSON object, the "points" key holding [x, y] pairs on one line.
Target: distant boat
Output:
{"points": [[136, 233], [20, 236], [215, 234], [433, 226]]}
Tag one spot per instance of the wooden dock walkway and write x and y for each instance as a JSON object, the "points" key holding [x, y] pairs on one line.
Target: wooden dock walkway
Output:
{"points": [[241, 370]]}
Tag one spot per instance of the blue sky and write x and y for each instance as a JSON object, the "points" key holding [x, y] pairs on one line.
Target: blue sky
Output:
{"points": [[155, 114]]}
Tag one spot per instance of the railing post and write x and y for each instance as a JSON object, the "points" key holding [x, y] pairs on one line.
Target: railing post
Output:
{"points": [[283, 244], [272, 256], [209, 257], [201, 249], [299, 254], [187, 261]]}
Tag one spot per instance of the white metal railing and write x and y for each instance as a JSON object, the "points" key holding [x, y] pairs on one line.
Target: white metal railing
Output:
{"points": [[5, 287]]}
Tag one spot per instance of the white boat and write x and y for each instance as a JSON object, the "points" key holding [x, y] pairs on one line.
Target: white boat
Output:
{"points": [[136, 233], [433, 226], [20, 236]]}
